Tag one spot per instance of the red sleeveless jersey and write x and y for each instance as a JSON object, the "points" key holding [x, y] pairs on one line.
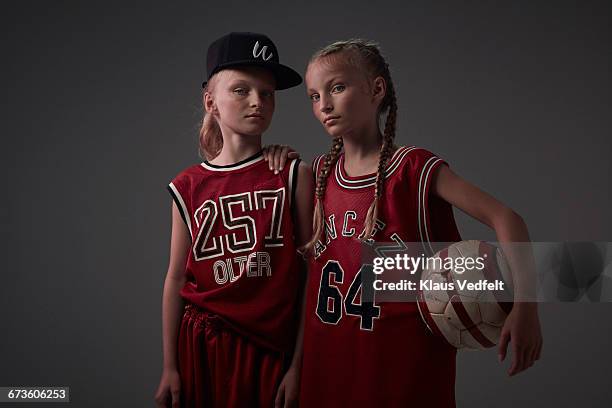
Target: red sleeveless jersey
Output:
{"points": [[242, 261], [374, 353]]}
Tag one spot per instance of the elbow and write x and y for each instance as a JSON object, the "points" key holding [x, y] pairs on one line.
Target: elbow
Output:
{"points": [[508, 217], [511, 226]]}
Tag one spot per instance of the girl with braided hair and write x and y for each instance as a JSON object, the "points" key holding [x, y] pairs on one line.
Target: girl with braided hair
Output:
{"points": [[364, 353]]}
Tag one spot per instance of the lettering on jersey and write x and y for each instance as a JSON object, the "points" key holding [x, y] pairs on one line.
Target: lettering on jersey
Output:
{"points": [[330, 229], [206, 215], [233, 222], [240, 233], [331, 234], [254, 264], [274, 237], [378, 226], [385, 250], [346, 232], [331, 302]]}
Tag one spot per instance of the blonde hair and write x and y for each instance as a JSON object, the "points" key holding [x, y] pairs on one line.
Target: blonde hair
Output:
{"points": [[210, 138], [364, 55]]}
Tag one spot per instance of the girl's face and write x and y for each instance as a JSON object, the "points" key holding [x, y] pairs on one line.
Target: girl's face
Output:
{"points": [[341, 98], [242, 100]]}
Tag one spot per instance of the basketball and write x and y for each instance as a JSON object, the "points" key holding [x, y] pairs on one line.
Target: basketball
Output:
{"points": [[466, 296]]}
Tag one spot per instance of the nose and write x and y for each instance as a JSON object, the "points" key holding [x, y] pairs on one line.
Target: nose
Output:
{"points": [[325, 105], [256, 100]]}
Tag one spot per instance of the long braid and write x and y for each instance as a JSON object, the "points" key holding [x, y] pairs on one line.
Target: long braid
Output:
{"points": [[364, 55], [386, 152], [318, 220]]}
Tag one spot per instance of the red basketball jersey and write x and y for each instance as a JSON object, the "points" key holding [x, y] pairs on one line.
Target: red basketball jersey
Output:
{"points": [[242, 263], [374, 354]]}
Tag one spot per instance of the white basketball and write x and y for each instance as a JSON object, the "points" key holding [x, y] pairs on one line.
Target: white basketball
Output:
{"points": [[460, 303]]}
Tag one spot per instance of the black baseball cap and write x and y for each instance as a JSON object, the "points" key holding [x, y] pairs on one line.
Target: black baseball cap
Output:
{"points": [[249, 49]]}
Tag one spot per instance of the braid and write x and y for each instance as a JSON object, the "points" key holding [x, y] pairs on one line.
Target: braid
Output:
{"points": [[366, 56], [389, 104], [318, 220]]}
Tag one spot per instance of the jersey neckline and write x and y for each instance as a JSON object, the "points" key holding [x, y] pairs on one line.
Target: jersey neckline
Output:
{"points": [[239, 165], [368, 180]]}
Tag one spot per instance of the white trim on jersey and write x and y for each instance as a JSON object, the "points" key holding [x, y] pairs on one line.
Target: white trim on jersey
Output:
{"points": [[394, 164], [182, 208], [422, 203], [292, 170], [230, 168]]}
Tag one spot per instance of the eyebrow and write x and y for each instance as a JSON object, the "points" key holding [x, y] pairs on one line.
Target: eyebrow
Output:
{"points": [[246, 83], [334, 78]]}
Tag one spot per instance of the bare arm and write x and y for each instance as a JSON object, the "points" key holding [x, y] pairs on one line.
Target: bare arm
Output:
{"points": [[508, 225], [168, 392], [522, 327], [172, 304], [288, 390], [304, 207]]}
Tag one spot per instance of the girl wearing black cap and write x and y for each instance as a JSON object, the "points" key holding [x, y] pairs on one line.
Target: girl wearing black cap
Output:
{"points": [[233, 275]]}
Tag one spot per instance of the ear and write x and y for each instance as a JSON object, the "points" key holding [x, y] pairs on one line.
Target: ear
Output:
{"points": [[379, 89], [209, 103]]}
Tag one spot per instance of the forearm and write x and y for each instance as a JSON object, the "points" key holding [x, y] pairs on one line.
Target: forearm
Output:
{"points": [[296, 361], [513, 236], [172, 311]]}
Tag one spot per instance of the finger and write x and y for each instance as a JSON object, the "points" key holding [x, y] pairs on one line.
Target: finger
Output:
{"points": [[176, 398], [284, 154], [518, 357], [528, 359], [527, 362], [534, 354], [293, 154], [280, 397], [277, 158], [270, 157], [271, 150], [503, 346], [161, 398], [264, 152], [159, 402]]}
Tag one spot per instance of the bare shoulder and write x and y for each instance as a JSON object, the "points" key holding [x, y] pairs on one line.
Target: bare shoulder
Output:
{"points": [[304, 169]]}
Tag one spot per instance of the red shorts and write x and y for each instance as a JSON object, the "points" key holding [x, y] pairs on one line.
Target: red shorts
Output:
{"points": [[220, 368]]}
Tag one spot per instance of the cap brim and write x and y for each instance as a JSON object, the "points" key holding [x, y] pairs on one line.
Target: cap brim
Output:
{"points": [[285, 77]]}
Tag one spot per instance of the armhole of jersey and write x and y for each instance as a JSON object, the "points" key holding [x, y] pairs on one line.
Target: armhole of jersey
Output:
{"points": [[180, 203], [424, 184], [293, 182]]}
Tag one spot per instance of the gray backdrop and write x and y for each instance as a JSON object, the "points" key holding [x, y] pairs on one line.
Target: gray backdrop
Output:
{"points": [[101, 104]]}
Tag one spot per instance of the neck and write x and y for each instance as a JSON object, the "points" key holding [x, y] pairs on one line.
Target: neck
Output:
{"points": [[362, 152], [237, 147]]}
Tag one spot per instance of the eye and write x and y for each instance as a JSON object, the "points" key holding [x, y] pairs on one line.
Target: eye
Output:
{"points": [[240, 91], [268, 94], [315, 97], [338, 88]]}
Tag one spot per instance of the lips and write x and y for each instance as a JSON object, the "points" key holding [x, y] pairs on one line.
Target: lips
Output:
{"points": [[254, 115], [330, 118]]}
